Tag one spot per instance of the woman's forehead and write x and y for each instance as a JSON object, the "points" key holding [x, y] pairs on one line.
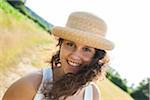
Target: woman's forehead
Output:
{"points": [[77, 43]]}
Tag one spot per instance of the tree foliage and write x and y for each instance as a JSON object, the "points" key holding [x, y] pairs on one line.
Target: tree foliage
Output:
{"points": [[114, 76], [142, 92]]}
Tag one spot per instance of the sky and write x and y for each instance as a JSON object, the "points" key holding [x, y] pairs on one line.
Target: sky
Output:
{"points": [[128, 24]]}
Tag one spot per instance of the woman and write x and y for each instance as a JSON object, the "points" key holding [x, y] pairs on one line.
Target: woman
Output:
{"points": [[81, 58]]}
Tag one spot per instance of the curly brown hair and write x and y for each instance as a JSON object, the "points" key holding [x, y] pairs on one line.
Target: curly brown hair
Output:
{"points": [[70, 83]]}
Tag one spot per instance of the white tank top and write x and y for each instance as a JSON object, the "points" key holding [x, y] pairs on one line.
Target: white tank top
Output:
{"points": [[48, 76]]}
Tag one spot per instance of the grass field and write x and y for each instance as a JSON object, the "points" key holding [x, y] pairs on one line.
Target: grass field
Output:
{"points": [[14, 41], [16, 34], [110, 91]]}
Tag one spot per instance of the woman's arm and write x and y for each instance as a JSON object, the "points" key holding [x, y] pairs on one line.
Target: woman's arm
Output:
{"points": [[23, 89]]}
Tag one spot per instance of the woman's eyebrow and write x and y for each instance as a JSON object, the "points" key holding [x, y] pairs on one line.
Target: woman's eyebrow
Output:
{"points": [[89, 47], [70, 41]]}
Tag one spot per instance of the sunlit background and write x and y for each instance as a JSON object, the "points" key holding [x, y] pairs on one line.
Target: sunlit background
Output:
{"points": [[128, 27]]}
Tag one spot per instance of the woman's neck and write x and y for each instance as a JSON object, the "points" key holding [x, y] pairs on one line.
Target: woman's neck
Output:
{"points": [[57, 73]]}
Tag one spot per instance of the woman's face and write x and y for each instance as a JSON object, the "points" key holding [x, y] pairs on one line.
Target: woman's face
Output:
{"points": [[74, 56]]}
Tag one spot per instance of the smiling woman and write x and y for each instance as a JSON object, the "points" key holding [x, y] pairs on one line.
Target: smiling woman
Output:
{"points": [[80, 59], [74, 56]]}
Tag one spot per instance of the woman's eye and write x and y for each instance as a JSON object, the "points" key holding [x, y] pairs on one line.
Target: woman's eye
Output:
{"points": [[70, 44], [87, 49]]}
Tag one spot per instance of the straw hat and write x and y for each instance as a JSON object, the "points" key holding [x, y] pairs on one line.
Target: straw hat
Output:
{"points": [[85, 28]]}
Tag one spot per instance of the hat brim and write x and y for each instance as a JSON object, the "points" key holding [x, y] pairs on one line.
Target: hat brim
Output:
{"points": [[86, 38]]}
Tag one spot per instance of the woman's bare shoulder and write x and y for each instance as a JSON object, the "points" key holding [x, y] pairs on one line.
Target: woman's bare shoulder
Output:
{"points": [[24, 88]]}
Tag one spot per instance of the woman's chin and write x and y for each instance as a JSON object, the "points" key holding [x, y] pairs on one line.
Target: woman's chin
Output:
{"points": [[71, 70]]}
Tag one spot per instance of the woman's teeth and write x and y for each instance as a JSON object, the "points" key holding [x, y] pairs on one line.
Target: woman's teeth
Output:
{"points": [[74, 64]]}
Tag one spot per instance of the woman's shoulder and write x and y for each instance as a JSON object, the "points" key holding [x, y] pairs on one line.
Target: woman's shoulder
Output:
{"points": [[32, 80], [24, 88]]}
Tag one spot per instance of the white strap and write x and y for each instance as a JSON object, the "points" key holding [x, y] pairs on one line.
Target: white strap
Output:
{"points": [[47, 76], [88, 92]]}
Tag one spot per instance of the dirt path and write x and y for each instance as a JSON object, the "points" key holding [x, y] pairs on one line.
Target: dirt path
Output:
{"points": [[33, 60]]}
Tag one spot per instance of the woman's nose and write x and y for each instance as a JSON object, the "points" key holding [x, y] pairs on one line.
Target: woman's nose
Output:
{"points": [[76, 55]]}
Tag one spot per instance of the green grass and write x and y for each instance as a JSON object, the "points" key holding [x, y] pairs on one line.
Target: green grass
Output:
{"points": [[9, 11], [5, 7]]}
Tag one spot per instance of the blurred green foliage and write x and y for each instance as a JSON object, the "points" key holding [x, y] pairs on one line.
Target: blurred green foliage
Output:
{"points": [[8, 9], [142, 92], [114, 76]]}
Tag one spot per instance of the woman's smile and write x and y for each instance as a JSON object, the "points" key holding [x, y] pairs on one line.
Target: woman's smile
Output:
{"points": [[73, 64]]}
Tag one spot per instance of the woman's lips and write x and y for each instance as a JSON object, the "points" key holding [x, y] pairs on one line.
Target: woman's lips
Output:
{"points": [[73, 66]]}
